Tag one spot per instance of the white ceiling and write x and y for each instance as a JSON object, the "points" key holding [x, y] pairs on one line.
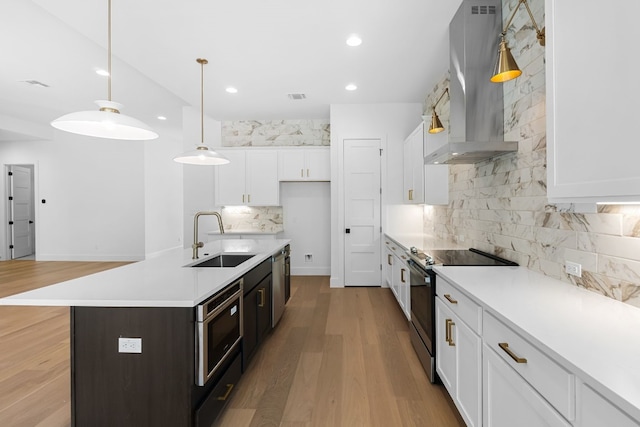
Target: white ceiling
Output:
{"points": [[264, 48]]}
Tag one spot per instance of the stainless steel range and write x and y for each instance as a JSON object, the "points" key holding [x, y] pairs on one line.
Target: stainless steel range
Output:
{"points": [[423, 295]]}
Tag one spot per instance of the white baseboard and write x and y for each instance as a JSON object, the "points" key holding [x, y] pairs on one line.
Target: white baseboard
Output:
{"points": [[336, 282], [310, 271]]}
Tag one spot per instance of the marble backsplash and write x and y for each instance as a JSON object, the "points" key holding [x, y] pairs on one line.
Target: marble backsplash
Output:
{"points": [[261, 133], [501, 205], [263, 219]]}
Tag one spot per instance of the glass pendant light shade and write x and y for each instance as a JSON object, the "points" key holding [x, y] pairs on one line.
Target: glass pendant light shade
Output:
{"points": [[202, 155], [506, 68], [436, 125], [107, 122]]}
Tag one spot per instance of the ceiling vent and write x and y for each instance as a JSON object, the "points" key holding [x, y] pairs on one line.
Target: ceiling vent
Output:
{"points": [[35, 83], [297, 96]]}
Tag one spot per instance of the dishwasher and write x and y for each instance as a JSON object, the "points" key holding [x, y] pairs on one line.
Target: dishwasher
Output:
{"points": [[278, 283]]}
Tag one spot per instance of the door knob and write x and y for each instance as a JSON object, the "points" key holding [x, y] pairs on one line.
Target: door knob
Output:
{"points": [[348, 231]]}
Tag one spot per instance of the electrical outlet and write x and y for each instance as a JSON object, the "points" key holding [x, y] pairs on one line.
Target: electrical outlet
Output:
{"points": [[129, 345], [573, 268], [308, 257]]}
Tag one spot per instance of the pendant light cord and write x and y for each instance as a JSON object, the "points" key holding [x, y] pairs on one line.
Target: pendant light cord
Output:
{"points": [[202, 101], [109, 53]]}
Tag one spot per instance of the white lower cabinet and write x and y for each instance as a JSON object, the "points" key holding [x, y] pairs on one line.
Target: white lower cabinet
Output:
{"points": [[594, 410], [510, 401], [397, 275], [459, 362]]}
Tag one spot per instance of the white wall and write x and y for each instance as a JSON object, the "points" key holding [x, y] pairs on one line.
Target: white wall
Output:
{"points": [[391, 123], [307, 222]]}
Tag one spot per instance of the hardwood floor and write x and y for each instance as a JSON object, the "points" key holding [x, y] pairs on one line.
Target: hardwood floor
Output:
{"points": [[339, 357]]}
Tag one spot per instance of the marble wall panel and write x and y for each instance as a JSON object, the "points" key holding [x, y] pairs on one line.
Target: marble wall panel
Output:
{"points": [[265, 219], [250, 133], [501, 205]]}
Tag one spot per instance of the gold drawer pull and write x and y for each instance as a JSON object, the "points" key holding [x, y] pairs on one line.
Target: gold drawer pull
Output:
{"points": [[389, 259], [402, 275], [448, 333], [262, 292], [226, 395], [451, 300], [505, 347]]}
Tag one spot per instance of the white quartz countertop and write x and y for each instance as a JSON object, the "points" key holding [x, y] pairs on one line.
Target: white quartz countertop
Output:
{"points": [[164, 281], [596, 337]]}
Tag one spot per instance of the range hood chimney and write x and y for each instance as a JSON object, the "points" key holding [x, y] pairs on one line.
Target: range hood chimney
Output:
{"points": [[476, 121]]}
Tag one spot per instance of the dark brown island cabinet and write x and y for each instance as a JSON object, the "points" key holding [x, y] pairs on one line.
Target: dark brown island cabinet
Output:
{"points": [[158, 386]]}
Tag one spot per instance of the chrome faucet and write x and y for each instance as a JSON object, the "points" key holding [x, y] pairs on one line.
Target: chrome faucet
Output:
{"points": [[197, 244]]}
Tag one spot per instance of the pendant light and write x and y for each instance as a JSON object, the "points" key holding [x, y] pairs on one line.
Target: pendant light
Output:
{"points": [[436, 125], [107, 122], [202, 155], [506, 68]]}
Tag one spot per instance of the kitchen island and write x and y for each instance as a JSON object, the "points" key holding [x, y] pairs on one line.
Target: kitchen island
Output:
{"points": [[151, 302]]}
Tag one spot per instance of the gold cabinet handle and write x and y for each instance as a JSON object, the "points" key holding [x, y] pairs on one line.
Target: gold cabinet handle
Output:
{"points": [[307, 173], [410, 194], [262, 295], [248, 198], [243, 198], [448, 335], [505, 346], [451, 300], [389, 259], [403, 257], [402, 275], [301, 173], [226, 395], [393, 247]]}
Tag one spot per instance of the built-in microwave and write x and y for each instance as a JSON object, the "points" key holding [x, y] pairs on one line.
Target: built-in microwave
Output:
{"points": [[218, 330]]}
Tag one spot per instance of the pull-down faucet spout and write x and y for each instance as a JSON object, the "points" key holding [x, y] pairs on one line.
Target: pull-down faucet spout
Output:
{"points": [[197, 244]]}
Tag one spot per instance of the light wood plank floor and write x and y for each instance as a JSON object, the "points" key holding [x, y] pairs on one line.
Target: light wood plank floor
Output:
{"points": [[339, 357]]}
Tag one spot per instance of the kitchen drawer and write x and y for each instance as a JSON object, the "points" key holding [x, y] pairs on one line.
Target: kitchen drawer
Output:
{"points": [[396, 249], [212, 406], [549, 379], [460, 304]]}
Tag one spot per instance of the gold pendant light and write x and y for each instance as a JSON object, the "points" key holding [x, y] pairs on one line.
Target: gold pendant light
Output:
{"points": [[107, 122], [436, 125], [202, 155], [506, 67]]}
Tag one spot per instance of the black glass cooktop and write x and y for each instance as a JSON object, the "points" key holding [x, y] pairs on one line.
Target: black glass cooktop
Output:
{"points": [[467, 257], [471, 257]]}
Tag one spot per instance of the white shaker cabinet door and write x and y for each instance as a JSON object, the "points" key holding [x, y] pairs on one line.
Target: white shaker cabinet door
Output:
{"points": [[592, 101], [510, 401], [262, 187], [230, 179], [596, 411]]}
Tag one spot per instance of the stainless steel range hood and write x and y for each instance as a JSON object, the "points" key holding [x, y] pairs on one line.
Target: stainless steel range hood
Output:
{"points": [[476, 121]]}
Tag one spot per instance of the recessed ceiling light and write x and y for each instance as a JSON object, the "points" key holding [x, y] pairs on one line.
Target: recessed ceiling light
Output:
{"points": [[351, 87], [231, 90], [162, 118], [354, 40], [101, 72]]}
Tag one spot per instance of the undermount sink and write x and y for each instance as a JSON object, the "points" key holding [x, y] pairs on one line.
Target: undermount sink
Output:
{"points": [[225, 260]]}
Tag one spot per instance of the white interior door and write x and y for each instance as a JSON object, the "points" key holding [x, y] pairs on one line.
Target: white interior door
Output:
{"points": [[21, 223], [362, 212]]}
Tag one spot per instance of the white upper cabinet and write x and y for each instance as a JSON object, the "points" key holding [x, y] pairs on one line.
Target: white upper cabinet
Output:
{"points": [[592, 101], [304, 164], [250, 179], [413, 175], [436, 177]]}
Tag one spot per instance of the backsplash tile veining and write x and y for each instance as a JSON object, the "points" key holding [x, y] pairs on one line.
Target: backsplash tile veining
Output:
{"points": [[264, 219], [267, 133], [501, 205]]}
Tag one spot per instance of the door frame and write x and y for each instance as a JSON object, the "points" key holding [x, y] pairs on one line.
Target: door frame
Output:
{"points": [[5, 253], [337, 202]]}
